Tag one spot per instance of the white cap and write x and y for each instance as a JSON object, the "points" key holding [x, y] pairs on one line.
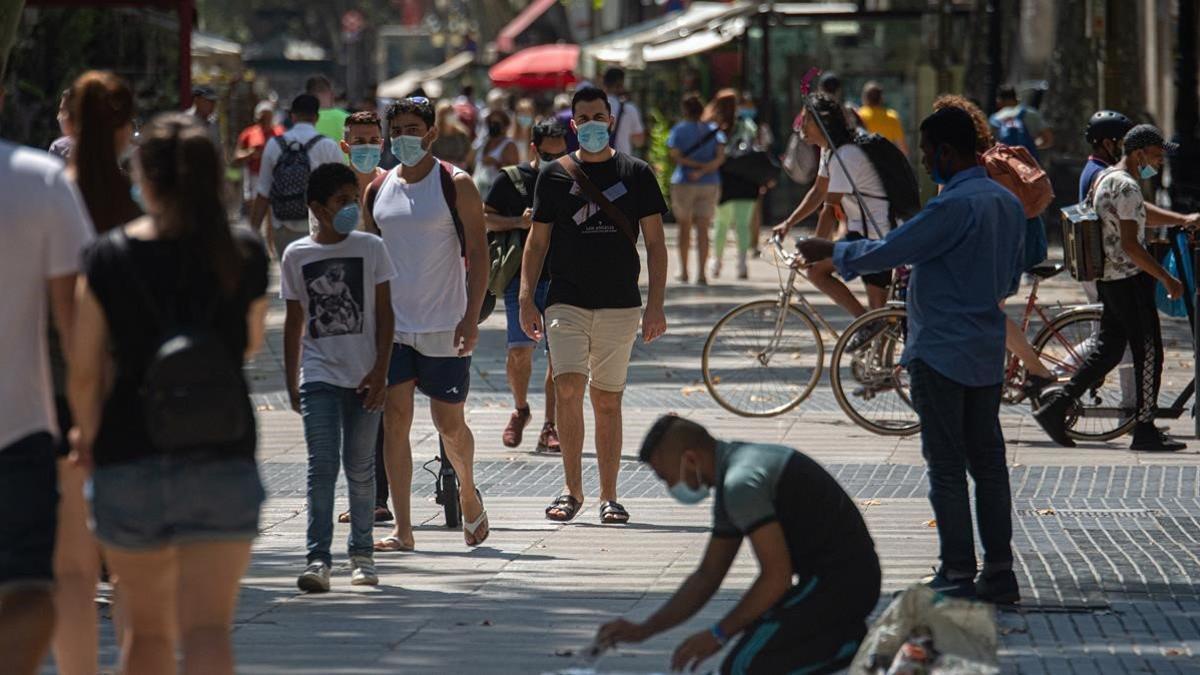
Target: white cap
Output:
{"points": [[263, 106]]}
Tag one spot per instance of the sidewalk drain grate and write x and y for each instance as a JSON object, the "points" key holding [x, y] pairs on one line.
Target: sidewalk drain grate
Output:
{"points": [[1091, 513]]}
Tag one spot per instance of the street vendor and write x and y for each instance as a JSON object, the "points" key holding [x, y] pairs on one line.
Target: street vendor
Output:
{"points": [[818, 576]]}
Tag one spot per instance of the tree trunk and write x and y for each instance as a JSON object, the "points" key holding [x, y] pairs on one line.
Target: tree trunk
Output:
{"points": [[1124, 77], [1185, 165], [10, 18], [1072, 96]]}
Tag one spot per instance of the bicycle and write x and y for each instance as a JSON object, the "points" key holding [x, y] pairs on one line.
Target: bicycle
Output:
{"points": [[445, 485], [761, 360]]}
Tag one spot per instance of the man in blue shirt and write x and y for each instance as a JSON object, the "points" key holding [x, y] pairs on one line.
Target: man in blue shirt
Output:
{"points": [[966, 249]]}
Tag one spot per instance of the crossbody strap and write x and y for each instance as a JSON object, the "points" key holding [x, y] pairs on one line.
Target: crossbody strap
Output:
{"points": [[596, 196], [712, 133]]}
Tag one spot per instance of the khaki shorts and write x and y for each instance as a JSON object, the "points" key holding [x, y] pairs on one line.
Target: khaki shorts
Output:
{"points": [[596, 342], [695, 202]]}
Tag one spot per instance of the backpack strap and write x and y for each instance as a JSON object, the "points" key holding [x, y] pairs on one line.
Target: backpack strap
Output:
{"points": [[514, 175], [594, 195], [312, 142], [450, 192]]}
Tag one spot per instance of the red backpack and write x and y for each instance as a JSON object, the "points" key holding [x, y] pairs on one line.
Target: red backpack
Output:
{"points": [[1014, 167]]}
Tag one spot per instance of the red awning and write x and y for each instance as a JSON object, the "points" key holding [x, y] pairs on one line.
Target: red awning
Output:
{"points": [[504, 41], [541, 67]]}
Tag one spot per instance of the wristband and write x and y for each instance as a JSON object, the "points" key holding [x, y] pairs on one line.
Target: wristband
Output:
{"points": [[719, 634]]}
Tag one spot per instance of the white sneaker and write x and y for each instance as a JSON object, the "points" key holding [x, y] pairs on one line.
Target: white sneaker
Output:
{"points": [[714, 268], [315, 578], [743, 271], [363, 573]]}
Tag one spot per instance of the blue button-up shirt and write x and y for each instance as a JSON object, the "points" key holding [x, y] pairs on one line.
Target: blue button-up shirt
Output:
{"points": [[966, 248]]}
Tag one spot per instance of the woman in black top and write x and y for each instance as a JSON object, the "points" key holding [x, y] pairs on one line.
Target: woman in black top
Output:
{"points": [[176, 524]]}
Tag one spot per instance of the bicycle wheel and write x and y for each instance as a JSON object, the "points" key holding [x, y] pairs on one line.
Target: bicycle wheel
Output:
{"points": [[880, 398], [1063, 345], [759, 362]]}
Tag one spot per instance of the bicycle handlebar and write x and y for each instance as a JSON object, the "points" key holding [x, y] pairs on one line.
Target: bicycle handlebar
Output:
{"points": [[789, 258]]}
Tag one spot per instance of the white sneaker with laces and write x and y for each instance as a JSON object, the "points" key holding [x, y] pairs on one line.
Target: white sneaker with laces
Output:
{"points": [[363, 573], [315, 578]]}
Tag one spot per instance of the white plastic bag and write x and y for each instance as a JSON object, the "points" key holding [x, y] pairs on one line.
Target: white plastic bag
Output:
{"points": [[964, 633]]}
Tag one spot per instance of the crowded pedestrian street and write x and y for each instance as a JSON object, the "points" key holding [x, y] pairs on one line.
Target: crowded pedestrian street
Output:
{"points": [[1105, 538]]}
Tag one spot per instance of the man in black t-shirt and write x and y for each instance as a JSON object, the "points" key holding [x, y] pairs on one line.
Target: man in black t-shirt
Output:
{"points": [[588, 208], [509, 207]]}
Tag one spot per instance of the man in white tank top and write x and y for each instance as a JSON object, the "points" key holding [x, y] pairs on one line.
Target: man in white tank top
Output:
{"points": [[436, 307]]}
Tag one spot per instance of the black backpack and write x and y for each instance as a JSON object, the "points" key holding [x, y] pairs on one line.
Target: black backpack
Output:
{"points": [[193, 393], [896, 174], [289, 179]]}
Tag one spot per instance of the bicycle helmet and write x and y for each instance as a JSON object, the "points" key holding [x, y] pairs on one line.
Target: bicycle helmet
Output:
{"points": [[1107, 125]]}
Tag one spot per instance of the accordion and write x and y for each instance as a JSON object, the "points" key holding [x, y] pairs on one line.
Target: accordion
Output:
{"points": [[1083, 245]]}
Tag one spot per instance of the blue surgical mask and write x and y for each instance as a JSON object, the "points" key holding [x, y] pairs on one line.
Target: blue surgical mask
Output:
{"points": [[365, 158], [1147, 172], [748, 113], [525, 120], [135, 193], [936, 173], [593, 136], [345, 220], [686, 494], [408, 150]]}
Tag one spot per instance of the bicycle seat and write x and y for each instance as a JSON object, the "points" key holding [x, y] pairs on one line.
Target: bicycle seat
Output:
{"points": [[1045, 271]]}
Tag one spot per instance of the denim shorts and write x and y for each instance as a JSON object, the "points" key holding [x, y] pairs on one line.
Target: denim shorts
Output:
{"points": [[166, 500], [512, 310], [29, 500]]}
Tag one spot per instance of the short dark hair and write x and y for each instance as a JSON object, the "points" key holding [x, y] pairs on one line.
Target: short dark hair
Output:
{"points": [[692, 105], [547, 129], [327, 179], [687, 433], [590, 94], [1006, 92], [613, 76], [413, 105], [363, 117], [317, 84], [305, 104], [829, 83], [872, 93], [951, 126]]}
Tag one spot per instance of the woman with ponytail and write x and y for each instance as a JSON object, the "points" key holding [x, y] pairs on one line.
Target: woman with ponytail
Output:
{"points": [[97, 113], [175, 506]]}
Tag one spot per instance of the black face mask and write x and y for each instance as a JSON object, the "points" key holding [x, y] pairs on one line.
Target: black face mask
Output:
{"points": [[551, 156], [495, 129]]}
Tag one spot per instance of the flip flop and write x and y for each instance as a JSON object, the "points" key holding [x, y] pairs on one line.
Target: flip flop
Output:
{"points": [[612, 513], [392, 545], [566, 504], [382, 515], [470, 528]]}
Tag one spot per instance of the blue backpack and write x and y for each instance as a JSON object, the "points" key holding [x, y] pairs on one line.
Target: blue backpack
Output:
{"points": [[1012, 131]]}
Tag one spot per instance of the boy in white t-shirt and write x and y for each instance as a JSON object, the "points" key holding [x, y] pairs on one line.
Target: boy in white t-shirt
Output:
{"points": [[337, 287]]}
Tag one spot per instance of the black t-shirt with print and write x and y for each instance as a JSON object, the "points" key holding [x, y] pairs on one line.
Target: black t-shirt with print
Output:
{"points": [[508, 202], [593, 264]]}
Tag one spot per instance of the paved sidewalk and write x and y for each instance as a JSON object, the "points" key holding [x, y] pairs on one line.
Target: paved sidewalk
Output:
{"points": [[1108, 541]]}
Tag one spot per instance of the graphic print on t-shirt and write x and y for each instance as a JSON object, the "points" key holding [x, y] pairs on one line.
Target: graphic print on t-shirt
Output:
{"points": [[335, 296], [612, 194]]}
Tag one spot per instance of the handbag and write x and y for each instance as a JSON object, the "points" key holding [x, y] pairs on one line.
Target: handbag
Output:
{"points": [[1180, 269]]}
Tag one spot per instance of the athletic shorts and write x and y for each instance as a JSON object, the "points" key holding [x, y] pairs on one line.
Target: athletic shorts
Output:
{"points": [[876, 279], [29, 501], [816, 628], [443, 378], [593, 342], [694, 202], [512, 310]]}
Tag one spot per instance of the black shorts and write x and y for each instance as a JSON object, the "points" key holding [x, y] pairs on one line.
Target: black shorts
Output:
{"points": [[444, 378], [876, 279], [816, 628], [29, 501]]}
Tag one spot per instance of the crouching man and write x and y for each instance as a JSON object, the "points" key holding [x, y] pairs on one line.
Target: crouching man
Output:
{"points": [[818, 573]]}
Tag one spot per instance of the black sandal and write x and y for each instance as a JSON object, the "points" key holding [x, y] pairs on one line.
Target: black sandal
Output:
{"points": [[566, 505], [612, 513]]}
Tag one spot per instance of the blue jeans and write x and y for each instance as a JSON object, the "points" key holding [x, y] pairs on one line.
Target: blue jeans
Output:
{"points": [[960, 434], [335, 423]]}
